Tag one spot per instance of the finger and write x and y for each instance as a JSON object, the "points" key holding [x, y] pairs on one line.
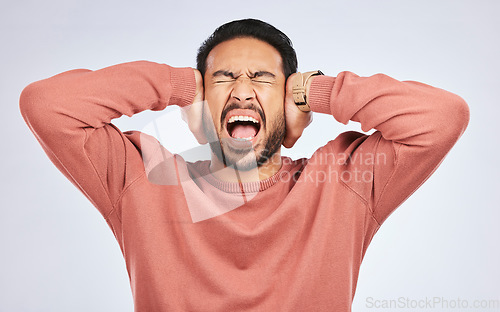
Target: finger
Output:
{"points": [[289, 143], [184, 113], [201, 137], [291, 137], [195, 118]]}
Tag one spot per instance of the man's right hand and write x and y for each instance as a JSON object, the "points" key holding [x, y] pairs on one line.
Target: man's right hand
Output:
{"points": [[193, 114]]}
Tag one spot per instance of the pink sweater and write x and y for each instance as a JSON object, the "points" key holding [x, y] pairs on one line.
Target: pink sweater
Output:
{"points": [[293, 242]]}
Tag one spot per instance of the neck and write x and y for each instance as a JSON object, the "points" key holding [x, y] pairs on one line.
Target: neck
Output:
{"points": [[230, 174]]}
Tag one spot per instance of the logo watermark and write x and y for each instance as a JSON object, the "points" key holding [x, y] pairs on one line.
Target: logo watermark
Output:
{"points": [[166, 166], [432, 303]]}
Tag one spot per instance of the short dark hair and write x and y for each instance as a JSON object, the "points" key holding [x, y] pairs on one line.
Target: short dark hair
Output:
{"points": [[252, 28]]}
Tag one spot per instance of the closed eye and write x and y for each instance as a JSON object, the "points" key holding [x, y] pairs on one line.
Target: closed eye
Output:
{"points": [[262, 81], [233, 80]]}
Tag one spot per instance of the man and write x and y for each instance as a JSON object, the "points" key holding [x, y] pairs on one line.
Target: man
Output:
{"points": [[249, 230]]}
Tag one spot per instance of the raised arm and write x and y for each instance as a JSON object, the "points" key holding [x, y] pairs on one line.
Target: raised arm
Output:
{"points": [[416, 125], [70, 115]]}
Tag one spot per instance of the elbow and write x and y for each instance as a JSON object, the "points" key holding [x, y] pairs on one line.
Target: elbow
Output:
{"points": [[451, 118], [29, 100], [458, 116], [34, 105]]}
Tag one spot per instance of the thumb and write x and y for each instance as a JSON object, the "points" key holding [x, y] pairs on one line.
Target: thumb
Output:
{"points": [[199, 93], [289, 141]]}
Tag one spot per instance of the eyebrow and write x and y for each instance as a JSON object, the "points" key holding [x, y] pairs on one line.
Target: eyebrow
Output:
{"points": [[264, 73], [259, 73], [223, 73]]}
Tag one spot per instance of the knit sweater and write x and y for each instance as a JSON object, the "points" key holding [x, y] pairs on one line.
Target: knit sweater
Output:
{"points": [[292, 242]]}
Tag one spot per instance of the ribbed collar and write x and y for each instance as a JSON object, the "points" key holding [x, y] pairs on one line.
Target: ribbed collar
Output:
{"points": [[203, 169]]}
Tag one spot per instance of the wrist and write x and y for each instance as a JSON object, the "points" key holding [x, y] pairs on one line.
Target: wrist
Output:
{"points": [[320, 93], [183, 84], [301, 84], [308, 86]]}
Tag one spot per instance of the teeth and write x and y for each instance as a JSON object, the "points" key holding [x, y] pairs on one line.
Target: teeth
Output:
{"points": [[242, 118]]}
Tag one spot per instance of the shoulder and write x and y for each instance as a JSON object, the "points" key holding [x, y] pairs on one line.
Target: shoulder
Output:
{"points": [[345, 142], [159, 164], [341, 149]]}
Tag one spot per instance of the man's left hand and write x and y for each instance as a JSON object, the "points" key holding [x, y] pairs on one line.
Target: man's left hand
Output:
{"points": [[295, 119]]}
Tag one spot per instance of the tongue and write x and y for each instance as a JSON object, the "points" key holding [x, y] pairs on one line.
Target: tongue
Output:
{"points": [[243, 131]]}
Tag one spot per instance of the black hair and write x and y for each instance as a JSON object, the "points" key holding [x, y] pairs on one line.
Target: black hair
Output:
{"points": [[252, 28]]}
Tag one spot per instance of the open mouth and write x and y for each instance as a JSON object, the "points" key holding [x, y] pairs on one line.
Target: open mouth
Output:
{"points": [[242, 127]]}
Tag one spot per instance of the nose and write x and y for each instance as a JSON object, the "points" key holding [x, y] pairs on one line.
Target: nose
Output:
{"points": [[243, 90]]}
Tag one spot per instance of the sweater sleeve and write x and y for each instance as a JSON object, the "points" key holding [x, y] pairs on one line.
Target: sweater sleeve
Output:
{"points": [[70, 116], [416, 126]]}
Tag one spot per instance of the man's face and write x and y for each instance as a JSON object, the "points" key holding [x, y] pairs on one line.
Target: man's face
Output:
{"points": [[245, 91]]}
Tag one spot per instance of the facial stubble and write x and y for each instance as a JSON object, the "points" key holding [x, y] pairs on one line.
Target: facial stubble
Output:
{"points": [[249, 157]]}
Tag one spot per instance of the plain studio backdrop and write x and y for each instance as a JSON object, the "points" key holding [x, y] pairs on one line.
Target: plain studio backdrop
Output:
{"points": [[57, 252]]}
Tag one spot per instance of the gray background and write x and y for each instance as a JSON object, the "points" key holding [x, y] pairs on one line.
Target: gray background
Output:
{"points": [[58, 254]]}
